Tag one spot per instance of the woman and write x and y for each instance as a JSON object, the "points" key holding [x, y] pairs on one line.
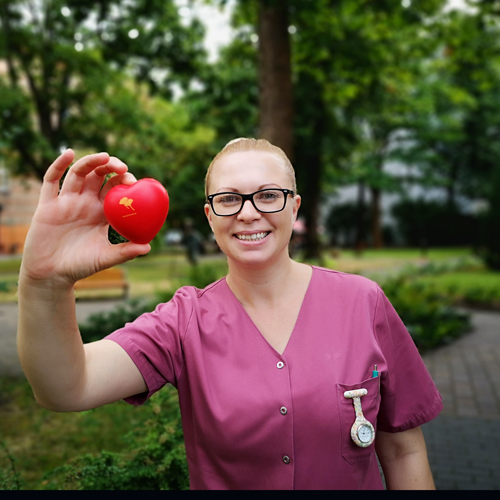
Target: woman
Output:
{"points": [[274, 364]]}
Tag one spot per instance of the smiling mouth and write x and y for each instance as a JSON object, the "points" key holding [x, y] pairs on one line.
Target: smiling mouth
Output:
{"points": [[252, 237]]}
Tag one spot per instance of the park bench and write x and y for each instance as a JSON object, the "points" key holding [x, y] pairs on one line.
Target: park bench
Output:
{"points": [[112, 278]]}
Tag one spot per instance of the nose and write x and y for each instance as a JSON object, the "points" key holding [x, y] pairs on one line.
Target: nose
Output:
{"points": [[248, 212]]}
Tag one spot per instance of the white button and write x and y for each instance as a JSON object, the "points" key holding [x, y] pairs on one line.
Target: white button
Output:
{"points": [[286, 459], [283, 410], [280, 364]]}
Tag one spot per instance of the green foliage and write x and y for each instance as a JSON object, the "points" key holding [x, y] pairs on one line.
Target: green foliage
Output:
{"points": [[478, 288], [348, 222], [9, 480], [434, 224], [489, 241], [64, 58], [100, 324], [202, 275], [452, 128], [156, 459], [114, 237], [428, 315]]}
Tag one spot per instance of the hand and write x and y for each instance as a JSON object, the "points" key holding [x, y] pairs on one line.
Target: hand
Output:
{"points": [[68, 236]]}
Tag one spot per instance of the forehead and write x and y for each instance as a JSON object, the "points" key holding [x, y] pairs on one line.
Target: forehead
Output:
{"points": [[249, 168]]}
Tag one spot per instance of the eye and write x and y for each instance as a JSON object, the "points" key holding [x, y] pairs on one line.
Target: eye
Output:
{"points": [[269, 196], [228, 199]]}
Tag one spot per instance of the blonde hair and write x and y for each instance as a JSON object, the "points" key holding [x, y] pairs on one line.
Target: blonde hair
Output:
{"points": [[243, 144]]}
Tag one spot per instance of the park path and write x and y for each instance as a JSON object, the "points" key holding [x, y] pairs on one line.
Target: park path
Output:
{"points": [[9, 361], [463, 442]]}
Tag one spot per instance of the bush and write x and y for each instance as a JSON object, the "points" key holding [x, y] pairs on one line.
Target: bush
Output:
{"points": [[428, 315], [156, 459], [348, 224], [100, 324], [201, 276], [9, 480], [488, 246], [432, 223]]}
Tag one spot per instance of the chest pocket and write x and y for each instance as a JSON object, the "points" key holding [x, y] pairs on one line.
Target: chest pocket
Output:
{"points": [[370, 405]]}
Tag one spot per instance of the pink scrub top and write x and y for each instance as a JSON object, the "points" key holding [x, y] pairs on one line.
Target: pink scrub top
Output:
{"points": [[255, 419]]}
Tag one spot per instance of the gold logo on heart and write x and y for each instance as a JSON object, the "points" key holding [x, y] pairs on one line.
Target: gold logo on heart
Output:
{"points": [[127, 202]]}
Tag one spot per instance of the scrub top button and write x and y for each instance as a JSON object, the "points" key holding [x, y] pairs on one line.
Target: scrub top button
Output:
{"points": [[283, 410], [286, 459], [280, 364]]}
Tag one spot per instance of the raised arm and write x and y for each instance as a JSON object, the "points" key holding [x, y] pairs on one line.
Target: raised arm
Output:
{"points": [[67, 241]]}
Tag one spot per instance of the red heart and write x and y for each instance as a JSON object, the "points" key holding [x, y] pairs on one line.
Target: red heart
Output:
{"points": [[137, 212]]}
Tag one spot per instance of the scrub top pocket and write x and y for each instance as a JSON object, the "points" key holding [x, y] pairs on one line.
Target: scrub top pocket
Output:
{"points": [[370, 405]]}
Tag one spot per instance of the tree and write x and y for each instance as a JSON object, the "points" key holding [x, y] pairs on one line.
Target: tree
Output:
{"points": [[156, 138], [275, 75], [453, 134], [348, 62], [356, 62], [50, 79]]}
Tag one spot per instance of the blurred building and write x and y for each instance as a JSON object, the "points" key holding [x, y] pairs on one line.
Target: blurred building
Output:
{"points": [[18, 201]]}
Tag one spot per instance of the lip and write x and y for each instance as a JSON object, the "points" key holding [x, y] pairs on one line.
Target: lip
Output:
{"points": [[249, 233]]}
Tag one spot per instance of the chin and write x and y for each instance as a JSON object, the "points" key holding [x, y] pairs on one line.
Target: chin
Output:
{"points": [[258, 260]]}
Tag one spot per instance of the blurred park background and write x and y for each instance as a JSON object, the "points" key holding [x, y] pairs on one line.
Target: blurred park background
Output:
{"points": [[388, 109]]}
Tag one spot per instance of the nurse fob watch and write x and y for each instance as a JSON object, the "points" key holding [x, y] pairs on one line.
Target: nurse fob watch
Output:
{"points": [[362, 431]]}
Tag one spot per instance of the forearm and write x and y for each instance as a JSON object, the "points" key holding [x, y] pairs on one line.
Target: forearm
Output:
{"points": [[49, 344], [403, 457], [410, 472]]}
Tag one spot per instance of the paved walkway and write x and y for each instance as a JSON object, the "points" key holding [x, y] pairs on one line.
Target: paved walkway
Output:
{"points": [[463, 442], [9, 361]]}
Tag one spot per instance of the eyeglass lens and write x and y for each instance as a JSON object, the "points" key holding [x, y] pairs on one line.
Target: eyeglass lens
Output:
{"points": [[269, 200]]}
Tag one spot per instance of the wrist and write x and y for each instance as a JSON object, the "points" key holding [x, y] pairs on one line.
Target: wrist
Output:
{"points": [[45, 287]]}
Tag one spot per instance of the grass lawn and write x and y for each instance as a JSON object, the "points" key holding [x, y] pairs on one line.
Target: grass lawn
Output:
{"points": [[158, 272], [384, 260], [472, 286]]}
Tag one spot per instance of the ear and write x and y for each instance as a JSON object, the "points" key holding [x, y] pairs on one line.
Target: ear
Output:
{"points": [[208, 214], [297, 199]]}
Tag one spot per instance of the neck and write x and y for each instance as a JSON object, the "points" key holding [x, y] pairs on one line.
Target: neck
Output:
{"points": [[252, 286]]}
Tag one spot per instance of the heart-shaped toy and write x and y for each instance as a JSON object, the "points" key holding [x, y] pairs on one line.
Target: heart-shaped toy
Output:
{"points": [[137, 212]]}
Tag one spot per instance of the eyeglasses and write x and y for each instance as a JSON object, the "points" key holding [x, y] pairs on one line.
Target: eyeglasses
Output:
{"points": [[267, 201]]}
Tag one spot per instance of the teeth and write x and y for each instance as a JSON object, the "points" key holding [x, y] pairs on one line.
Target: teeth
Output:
{"points": [[251, 237]]}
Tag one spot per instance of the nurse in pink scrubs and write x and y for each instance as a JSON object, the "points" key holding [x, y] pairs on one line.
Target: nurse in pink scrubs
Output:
{"points": [[289, 376]]}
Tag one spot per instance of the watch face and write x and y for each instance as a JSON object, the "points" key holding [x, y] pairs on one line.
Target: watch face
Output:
{"points": [[365, 433]]}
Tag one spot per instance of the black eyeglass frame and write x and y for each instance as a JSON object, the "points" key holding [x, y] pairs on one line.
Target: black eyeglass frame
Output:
{"points": [[245, 197]]}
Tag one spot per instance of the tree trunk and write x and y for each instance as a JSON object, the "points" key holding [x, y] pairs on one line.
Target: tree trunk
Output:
{"points": [[377, 238], [360, 230], [311, 129], [275, 75], [310, 208]]}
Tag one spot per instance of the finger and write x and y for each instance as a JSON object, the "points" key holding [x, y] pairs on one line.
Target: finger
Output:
{"points": [[128, 179], [75, 178], [95, 179], [50, 186], [123, 252]]}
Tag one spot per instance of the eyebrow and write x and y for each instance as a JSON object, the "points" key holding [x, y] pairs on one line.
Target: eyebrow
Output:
{"points": [[234, 190]]}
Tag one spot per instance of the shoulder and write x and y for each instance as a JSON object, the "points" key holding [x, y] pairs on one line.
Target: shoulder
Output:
{"points": [[350, 290], [192, 297], [330, 277]]}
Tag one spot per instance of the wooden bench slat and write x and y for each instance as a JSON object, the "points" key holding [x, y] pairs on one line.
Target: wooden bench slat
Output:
{"points": [[108, 278]]}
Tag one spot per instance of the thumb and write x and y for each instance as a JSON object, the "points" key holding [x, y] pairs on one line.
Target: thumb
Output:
{"points": [[123, 252]]}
